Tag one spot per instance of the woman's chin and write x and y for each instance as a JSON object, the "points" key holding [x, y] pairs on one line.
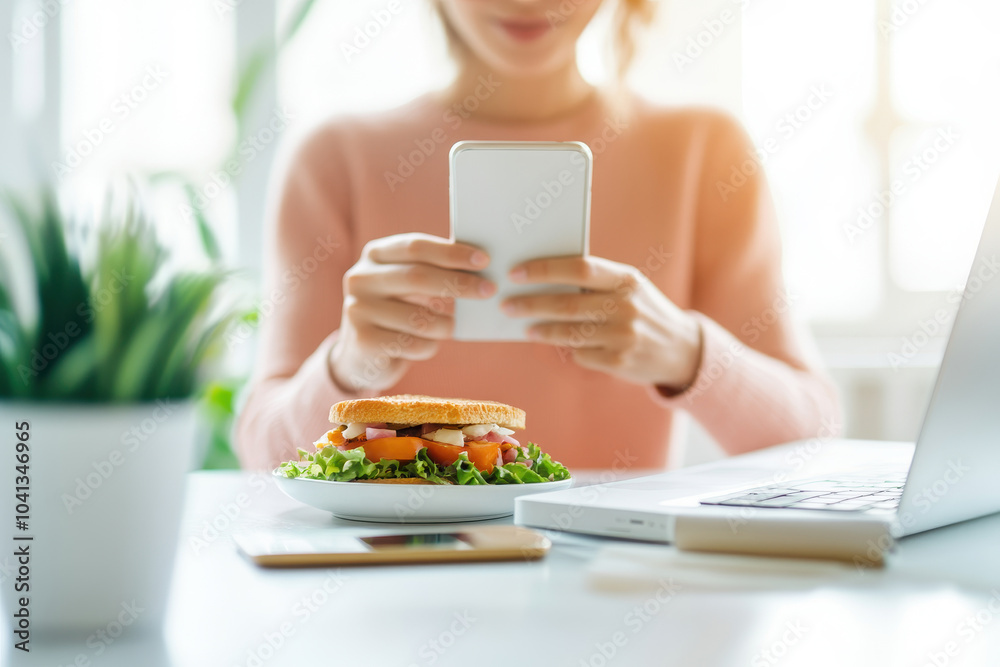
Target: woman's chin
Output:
{"points": [[525, 65]]}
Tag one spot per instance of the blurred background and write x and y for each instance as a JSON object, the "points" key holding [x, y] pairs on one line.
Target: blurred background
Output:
{"points": [[842, 100]]}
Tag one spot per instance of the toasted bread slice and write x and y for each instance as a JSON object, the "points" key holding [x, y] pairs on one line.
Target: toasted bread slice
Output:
{"points": [[412, 409]]}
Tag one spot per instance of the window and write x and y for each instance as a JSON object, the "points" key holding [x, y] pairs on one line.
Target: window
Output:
{"points": [[886, 144], [878, 134], [146, 89]]}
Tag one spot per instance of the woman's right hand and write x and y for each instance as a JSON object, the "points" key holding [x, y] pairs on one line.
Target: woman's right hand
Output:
{"points": [[399, 305]]}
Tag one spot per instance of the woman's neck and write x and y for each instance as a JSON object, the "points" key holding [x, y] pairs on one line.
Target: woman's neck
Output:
{"points": [[520, 99]]}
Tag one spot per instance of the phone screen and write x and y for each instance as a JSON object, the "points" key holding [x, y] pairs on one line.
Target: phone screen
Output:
{"points": [[444, 541]]}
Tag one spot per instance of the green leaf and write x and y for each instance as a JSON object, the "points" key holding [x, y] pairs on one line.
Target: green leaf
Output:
{"points": [[425, 468], [129, 259], [299, 17], [218, 412], [184, 310], [463, 471], [515, 473], [249, 77], [59, 288], [219, 399], [211, 337], [29, 229], [134, 371], [209, 242], [12, 350], [73, 371]]}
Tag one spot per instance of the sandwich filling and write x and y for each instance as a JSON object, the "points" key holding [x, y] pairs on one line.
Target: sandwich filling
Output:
{"points": [[435, 453]]}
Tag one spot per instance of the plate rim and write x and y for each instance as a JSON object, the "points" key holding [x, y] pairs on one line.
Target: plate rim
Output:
{"points": [[533, 485], [330, 496]]}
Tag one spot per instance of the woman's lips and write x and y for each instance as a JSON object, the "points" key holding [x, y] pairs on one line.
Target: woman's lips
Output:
{"points": [[525, 31]]}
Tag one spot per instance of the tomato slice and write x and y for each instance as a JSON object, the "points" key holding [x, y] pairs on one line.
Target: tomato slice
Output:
{"points": [[400, 449], [483, 455]]}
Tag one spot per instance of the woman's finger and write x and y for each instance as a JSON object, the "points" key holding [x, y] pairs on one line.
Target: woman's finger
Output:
{"points": [[403, 317], [426, 249], [572, 334], [382, 345], [398, 280], [591, 306], [436, 304], [598, 358], [594, 273]]}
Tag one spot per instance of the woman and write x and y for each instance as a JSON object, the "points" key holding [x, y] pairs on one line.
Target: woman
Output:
{"points": [[685, 271]]}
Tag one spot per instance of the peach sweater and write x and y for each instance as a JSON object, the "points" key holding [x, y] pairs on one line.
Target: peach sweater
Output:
{"points": [[665, 200]]}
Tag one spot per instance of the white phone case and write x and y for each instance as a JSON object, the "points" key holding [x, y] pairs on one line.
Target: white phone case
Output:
{"points": [[517, 201]]}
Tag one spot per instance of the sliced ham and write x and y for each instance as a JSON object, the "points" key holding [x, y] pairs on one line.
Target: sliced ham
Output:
{"points": [[372, 433], [489, 433], [492, 436]]}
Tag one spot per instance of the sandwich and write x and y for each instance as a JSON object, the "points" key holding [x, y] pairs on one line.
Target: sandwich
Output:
{"points": [[410, 439]]}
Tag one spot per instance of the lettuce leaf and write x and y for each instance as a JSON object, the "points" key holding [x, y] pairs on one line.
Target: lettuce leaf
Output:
{"points": [[335, 465], [332, 464], [423, 467], [464, 471], [545, 466], [513, 473]]}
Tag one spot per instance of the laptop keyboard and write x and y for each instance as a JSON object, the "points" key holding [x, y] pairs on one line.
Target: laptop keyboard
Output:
{"points": [[819, 494]]}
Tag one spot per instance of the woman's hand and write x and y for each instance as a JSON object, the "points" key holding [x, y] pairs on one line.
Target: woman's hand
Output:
{"points": [[622, 324], [399, 305]]}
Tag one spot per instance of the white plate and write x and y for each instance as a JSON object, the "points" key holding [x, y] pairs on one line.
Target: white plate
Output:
{"points": [[411, 503]]}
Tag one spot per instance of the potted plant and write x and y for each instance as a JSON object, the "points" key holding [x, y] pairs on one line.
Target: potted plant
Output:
{"points": [[103, 346]]}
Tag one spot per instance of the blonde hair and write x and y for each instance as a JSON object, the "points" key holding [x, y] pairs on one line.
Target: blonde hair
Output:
{"points": [[630, 17]]}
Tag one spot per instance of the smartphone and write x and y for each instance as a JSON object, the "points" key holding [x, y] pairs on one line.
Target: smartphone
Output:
{"points": [[517, 201], [329, 547]]}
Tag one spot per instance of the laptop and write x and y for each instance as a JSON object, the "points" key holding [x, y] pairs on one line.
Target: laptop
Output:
{"points": [[952, 472]]}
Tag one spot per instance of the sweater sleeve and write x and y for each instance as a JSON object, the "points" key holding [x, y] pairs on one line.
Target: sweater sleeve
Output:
{"points": [[759, 382], [308, 248]]}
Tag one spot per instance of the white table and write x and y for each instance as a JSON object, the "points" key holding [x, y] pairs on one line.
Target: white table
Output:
{"points": [[227, 612]]}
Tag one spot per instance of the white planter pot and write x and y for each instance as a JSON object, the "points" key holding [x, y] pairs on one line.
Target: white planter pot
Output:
{"points": [[106, 493]]}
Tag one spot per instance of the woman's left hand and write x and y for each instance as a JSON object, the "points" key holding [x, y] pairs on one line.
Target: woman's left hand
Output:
{"points": [[622, 324]]}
